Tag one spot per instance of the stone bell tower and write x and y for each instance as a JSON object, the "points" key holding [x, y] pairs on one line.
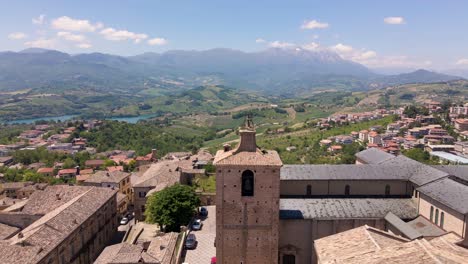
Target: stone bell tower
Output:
{"points": [[247, 201]]}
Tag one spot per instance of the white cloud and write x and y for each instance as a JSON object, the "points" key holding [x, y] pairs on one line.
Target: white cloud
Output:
{"points": [[259, 40], [280, 44], [119, 35], [17, 35], [71, 37], [39, 20], [357, 55], [394, 20], [70, 24], [83, 45], [41, 43], [315, 36], [341, 48], [157, 41], [311, 46], [462, 62], [313, 24]]}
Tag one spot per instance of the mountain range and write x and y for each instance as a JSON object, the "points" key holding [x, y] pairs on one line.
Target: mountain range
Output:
{"points": [[277, 71]]}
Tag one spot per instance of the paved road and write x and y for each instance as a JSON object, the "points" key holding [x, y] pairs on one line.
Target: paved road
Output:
{"points": [[205, 249]]}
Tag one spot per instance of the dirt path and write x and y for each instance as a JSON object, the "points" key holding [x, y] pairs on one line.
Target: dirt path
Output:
{"points": [[291, 112]]}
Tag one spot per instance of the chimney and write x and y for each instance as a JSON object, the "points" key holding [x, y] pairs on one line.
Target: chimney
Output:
{"points": [[227, 147], [247, 133], [77, 170], [153, 154]]}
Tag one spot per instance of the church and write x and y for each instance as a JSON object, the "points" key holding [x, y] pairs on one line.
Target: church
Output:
{"points": [[270, 212]]}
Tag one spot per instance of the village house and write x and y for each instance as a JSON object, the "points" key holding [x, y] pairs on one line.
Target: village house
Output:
{"points": [[68, 173], [374, 138], [461, 125], [11, 189], [61, 224], [94, 164], [363, 135], [147, 245], [116, 180], [48, 172], [456, 111]]}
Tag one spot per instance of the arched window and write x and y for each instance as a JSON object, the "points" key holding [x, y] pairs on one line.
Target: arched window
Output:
{"points": [[309, 190], [432, 213], [442, 216], [289, 259], [347, 190], [247, 183], [437, 217], [387, 190]]}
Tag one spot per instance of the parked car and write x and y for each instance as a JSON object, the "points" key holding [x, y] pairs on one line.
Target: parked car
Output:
{"points": [[213, 260], [191, 241], [124, 221], [129, 216], [203, 211], [197, 224]]}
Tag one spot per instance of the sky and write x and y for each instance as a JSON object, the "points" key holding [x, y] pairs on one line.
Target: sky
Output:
{"points": [[379, 34]]}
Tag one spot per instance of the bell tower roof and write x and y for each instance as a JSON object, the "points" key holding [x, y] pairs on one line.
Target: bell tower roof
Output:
{"points": [[247, 151]]}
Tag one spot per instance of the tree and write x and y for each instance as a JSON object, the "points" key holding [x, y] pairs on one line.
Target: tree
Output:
{"points": [[172, 207]]}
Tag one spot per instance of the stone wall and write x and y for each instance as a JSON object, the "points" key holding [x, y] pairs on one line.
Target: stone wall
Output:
{"points": [[453, 221], [297, 237], [293, 188]]}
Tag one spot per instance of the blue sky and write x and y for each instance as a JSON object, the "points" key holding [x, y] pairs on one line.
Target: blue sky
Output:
{"points": [[395, 34]]}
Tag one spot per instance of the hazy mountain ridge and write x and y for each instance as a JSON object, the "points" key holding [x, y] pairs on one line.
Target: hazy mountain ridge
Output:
{"points": [[282, 71]]}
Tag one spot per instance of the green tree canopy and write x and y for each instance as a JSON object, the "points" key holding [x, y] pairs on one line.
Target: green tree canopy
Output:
{"points": [[172, 207]]}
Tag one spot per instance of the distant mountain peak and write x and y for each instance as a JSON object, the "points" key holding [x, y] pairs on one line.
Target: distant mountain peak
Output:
{"points": [[36, 50]]}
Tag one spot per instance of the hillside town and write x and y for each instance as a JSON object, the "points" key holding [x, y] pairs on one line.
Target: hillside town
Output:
{"points": [[97, 210]]}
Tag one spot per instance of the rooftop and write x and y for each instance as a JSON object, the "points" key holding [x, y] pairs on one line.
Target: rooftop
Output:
{"points": [[449, 192], [373, 156], [164, 172], [365, 244], [449, 156], [7, 231], [159, 251], [259, 157], [346, 208], [107, 176]]}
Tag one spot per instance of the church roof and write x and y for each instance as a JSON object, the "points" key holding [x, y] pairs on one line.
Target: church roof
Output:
{"points": [[332, 208], [345, 172], [373, 156]]}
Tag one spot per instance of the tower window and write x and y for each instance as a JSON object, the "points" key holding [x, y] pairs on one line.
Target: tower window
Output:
{"points": [[309, 190], [247, 183], [347, 190], [437, 217]]}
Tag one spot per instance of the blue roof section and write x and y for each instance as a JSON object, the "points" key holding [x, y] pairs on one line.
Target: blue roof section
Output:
{"points": [[449, 156]]}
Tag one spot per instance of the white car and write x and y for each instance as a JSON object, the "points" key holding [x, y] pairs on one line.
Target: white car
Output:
{"points": [[124, 221], [197, 224]]}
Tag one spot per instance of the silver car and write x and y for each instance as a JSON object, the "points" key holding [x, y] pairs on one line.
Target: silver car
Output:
{"points": [[197, 224]]}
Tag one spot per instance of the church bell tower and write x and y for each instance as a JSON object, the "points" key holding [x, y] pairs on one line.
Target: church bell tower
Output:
{"points": [[247, 201]]}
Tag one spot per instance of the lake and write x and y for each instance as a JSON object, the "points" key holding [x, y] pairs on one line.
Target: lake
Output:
{"points": [[32, 120], [129, 119]]}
